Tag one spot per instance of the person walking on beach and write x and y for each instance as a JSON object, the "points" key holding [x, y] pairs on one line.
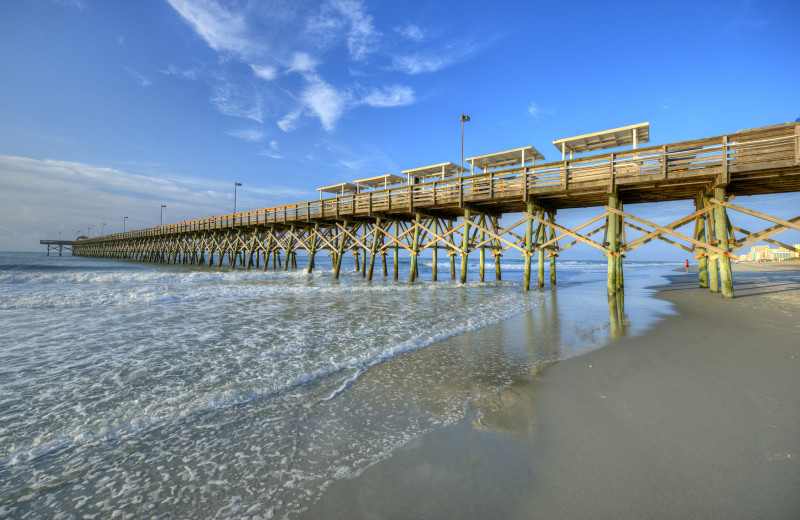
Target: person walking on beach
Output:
{"points": [[687, 266]]}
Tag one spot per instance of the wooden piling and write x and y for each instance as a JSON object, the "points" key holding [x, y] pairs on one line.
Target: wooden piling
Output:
{"points": [[540, 234], [313, 251], [482, 253], [552, 215], [395, 258], [612, 246], [340, 252], [713, 266], [465, 247], [700, 235], [374, 248], [526, 279], [414, 249], [435, 262], [496, 250], [721, 226]]}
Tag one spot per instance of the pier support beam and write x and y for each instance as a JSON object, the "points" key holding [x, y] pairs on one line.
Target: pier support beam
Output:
{"points": [[374, 248], [497, 249], [395, 257], [482, 268], [552, 215], [721, 226], [540, 233], [526, 279], [700, 235], [435, 262], [313, 251], [612, 245], [339, 252], [465, 247], [713, 266], [412, 275]]}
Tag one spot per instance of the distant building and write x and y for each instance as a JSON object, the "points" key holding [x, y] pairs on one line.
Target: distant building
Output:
{"points": [[765, 254]]}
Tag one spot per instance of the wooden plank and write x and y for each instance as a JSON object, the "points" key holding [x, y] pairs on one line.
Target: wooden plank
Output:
{"points": [[752, 213], [568, 232], [671, 232]]}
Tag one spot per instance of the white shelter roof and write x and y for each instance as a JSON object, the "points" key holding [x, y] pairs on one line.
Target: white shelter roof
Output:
{"points": [[339, 189], [437, 170], [616, 137], [381, 181], [517, 156]]}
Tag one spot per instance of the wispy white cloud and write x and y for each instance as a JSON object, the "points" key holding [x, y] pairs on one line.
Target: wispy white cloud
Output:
{"points": [[436, 59], [141, 80], [345, 20], [325, 102], [537, 112], [237, 100], [172, 70], [222, 29], [265, 72], [252, 135], [411, 31], [289, 55], [77, 4], [302, 62], [272, 152], [288, 122], [390, 96]]}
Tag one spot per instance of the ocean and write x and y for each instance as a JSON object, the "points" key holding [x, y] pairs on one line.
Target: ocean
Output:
{"points": [[132, 390]]}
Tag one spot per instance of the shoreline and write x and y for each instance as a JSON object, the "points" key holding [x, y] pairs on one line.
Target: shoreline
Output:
{"points": [[697, 417]]}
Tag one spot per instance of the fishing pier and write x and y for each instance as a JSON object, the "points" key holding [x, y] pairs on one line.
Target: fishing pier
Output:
{"points": [[456, 212]]}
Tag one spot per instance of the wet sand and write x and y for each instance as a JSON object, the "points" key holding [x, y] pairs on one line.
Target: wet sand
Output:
{"points": [[697, 418]]}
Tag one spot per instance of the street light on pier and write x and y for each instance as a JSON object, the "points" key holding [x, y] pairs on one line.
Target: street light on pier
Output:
{"points": [[162, 213], [464, 119], [123, 223], [89, 233], [102, 228], [235, 184]]}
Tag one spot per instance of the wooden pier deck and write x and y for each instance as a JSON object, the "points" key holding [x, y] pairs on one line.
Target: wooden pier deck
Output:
{"points": [[460, 213]]}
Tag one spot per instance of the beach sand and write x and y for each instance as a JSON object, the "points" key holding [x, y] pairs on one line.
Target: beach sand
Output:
{"points": [[697, 418]]}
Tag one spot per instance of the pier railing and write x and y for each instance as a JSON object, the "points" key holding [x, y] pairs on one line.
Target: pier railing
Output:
{"points": [[718, 157]]}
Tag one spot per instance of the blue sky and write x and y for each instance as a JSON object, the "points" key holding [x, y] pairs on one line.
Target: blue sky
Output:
{"points": [[109, 109]]}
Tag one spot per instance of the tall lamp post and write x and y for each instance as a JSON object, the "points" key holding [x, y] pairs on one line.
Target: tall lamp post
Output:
{"points": [[464, 119], [102, 228], [123, 223], [89, 232], [162, 213], [235, 184]]}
